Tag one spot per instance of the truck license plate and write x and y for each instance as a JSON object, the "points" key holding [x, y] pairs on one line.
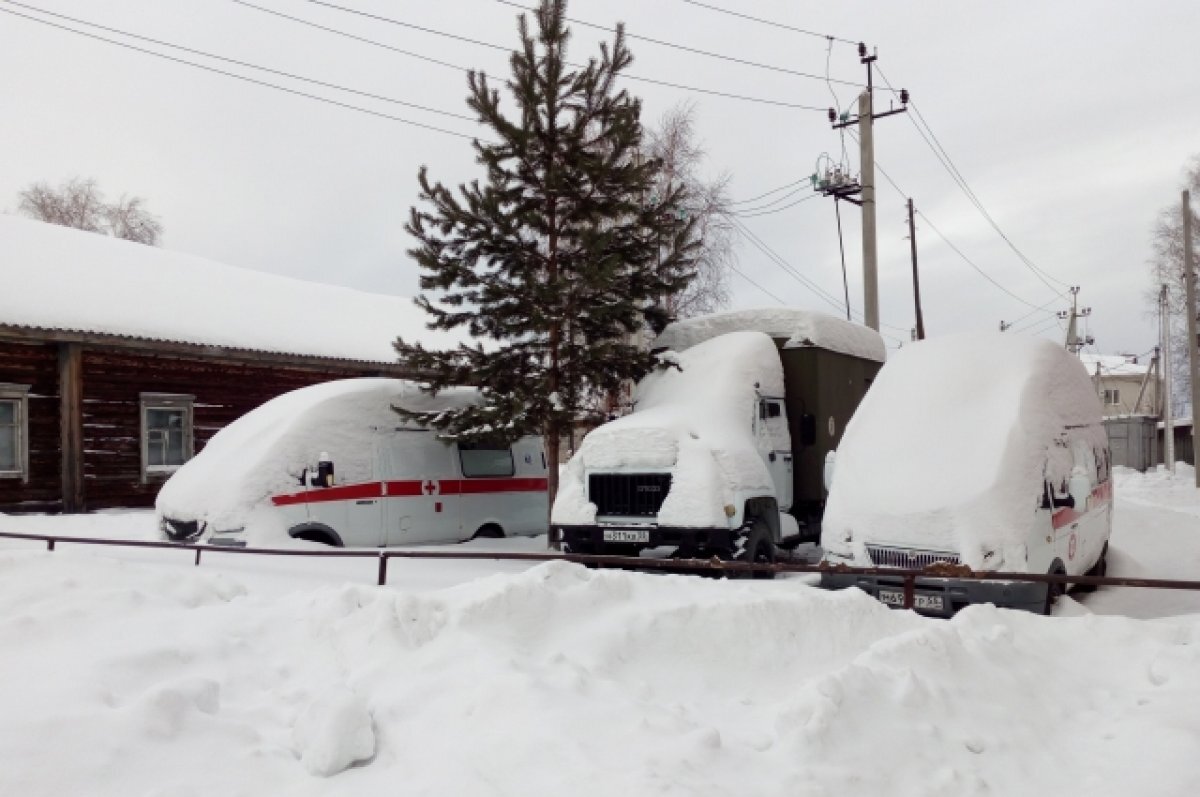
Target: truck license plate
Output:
{"points": [[920, 601], [626, 535]]}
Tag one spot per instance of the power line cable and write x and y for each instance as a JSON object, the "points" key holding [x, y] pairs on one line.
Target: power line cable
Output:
{"points": [[747, 278], [477, 42], [939, 151], [949, 243], [779, 261], [680, 47], [755, 212], [243, 78], [246, 64], [771, 203], [768, 193], [772, 23]]}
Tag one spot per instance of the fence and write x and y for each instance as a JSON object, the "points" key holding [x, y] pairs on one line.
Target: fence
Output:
{"points": [[713, 566]]}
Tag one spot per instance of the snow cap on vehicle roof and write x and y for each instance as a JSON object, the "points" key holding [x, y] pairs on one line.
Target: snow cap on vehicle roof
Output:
{"points": [[799, 328]]}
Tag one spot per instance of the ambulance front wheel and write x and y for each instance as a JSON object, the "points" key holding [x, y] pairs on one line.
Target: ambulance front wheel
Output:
{"points": [[316, 532]]}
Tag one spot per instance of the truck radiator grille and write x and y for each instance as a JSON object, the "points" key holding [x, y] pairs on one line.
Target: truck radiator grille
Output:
{"points": [[628, 494], [908, 558]]}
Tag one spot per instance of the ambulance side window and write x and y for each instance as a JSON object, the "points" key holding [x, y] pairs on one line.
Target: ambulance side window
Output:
{"points": [[482, 461]]}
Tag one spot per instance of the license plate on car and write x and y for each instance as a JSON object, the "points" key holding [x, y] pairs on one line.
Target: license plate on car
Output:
{"points": [[626, 535], [894, 597]]}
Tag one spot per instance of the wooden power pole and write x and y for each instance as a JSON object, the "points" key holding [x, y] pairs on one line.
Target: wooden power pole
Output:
{"points": [[912, 240], [1189, 275]]}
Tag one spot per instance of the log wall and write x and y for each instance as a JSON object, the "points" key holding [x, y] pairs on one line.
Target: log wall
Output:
{"points": [[36, 365], [112, 381]]}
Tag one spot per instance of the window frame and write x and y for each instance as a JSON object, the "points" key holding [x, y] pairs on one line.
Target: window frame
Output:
{"points": [[171, 402], [512, 462], [1115, 393], [19, 396]]}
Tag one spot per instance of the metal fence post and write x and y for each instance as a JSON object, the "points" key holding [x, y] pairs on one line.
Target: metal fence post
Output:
{"points": [[197, 557], [383, 559], [909, 584], [50, 544]]}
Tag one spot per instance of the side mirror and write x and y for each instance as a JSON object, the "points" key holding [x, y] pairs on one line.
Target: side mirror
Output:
{"points": [[808, 429], [324, 471]]}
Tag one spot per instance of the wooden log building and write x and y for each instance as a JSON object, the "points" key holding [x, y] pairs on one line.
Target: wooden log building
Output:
{"points": [[119, 361]]}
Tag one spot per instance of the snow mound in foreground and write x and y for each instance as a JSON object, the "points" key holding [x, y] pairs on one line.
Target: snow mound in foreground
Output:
{"points": [[567, 680], [692, 418], [264, 452]]}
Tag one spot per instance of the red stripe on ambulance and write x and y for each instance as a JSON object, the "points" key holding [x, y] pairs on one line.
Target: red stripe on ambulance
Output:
{"points": [[413, 488], [1065, 516]]}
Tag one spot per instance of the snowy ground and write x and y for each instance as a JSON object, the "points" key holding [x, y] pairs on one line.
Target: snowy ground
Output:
{"points": [[131, 672]]}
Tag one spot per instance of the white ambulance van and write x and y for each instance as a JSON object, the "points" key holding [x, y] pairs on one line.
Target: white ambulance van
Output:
{"points": [[334, 463], [983, 450]]}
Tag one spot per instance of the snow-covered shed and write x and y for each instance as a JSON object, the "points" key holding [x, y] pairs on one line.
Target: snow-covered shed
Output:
{"points": [[118, 361]]}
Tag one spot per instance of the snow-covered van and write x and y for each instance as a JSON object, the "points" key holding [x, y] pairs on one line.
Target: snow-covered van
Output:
{"points": [[334, 463], [980, 450], [724, 451]]}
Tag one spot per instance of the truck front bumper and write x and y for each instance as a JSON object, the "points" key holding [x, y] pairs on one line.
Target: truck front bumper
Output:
{"points": [[631, 539], [950, 594]]}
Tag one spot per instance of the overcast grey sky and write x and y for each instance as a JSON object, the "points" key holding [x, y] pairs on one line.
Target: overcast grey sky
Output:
{"points": [[1071, 121]]}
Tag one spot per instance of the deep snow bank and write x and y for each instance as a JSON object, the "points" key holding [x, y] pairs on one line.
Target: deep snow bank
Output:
{"points": [[119, 680], [693, 419]]}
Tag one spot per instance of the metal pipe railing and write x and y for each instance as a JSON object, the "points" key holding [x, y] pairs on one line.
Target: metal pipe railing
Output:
{"points": [[712, 565]]}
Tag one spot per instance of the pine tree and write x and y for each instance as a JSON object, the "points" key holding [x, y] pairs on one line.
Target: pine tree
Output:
{"points": [[553, 259]]}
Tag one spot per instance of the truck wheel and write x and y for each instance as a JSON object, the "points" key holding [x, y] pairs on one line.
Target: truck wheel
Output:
{"points": [[758, 549], [1053, 590]]}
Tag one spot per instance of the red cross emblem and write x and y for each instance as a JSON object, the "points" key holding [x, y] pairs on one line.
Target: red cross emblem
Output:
{"points": [[430, 487]]}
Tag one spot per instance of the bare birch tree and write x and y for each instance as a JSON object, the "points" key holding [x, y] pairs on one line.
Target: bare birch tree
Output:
{"points": [[1166, 268], [674, 143], [80, 204]]}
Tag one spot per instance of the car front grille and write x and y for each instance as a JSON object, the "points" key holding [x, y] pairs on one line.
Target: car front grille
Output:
{"points": [[908, 558], [628, 494]]}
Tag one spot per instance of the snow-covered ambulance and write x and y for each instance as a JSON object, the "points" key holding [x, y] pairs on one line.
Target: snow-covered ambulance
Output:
{"points": [[979, 450], [334, 463]]}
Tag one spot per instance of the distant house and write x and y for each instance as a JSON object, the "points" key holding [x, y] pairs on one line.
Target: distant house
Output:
{"points": [[1119, 383], [119, 361]]}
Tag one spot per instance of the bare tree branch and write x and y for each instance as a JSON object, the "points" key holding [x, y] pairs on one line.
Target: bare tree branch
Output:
{"points": [[79, 203]]}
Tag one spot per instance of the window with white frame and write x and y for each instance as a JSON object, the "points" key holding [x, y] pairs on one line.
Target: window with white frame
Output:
{"points": [[1112, 397], [166, 432], [14, 431]]}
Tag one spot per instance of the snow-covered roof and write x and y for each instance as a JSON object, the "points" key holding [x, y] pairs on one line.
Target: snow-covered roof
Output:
{"points": [[1114, 364], [63, 279], [800, 328]]}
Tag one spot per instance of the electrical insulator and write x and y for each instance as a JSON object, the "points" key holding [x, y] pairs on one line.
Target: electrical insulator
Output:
{"points": [[904, 96], [832, 116]]}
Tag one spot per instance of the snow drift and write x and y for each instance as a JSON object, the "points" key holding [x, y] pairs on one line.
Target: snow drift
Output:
{"points": [[692, 418], [122, 679], [951, 445], [265, 452]]}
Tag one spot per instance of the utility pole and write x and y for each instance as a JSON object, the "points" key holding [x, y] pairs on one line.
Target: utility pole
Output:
{"points": [[912, 240], [1164, 311], [866, 141], [1189, 274], [1074, 343]]}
